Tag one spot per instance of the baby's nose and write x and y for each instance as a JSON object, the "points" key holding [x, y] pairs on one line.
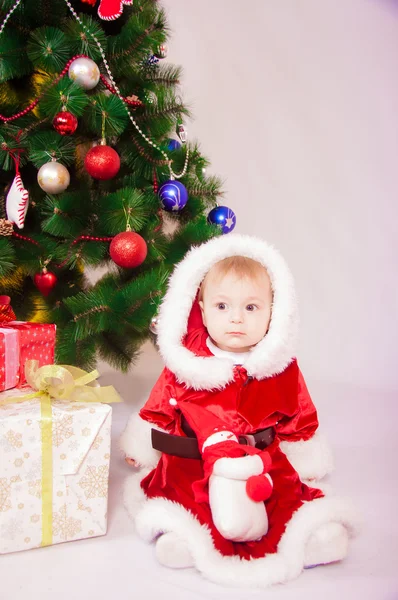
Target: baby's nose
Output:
{"points": [[236, 316]]}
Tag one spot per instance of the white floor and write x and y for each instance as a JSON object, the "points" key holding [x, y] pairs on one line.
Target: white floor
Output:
{"points": [[361, 426]]}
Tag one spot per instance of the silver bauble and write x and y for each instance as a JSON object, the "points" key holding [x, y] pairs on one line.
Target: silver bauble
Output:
{"points": [[85, 72], [154, 325], [53, 177]]}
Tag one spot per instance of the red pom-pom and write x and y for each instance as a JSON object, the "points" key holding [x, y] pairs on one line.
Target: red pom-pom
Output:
{"points": [[258, 488], [102, 162], [65, 123], [128, 249]]}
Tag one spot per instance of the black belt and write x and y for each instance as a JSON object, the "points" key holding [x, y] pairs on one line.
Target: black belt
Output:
{"points": [[187, 447]]}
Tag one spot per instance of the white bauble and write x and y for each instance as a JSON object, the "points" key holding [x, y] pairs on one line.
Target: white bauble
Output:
{"points": [[85, 72], [53, 177]]}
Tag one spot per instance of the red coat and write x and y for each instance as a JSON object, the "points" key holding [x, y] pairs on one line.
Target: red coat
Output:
{"points": [[245, 406]]}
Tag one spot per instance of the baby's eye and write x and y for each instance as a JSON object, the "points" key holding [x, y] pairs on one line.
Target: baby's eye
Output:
{"points": [[251, 307], [221, 306]]}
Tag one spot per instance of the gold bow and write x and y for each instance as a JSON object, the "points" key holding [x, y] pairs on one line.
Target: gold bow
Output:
{"points": [[58, 382]]}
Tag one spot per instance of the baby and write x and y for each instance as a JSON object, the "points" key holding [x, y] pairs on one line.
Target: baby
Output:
{"points": [[228, 439], [235, 299]]}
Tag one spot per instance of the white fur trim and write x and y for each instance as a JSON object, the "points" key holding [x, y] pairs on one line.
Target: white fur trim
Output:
{"points": [[136, 443], [269, 357], [134, 498], [159, 515], [312, 459], [241, 467]]}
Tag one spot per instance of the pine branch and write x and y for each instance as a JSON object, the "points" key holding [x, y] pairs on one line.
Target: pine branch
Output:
{"points": [[48, 49]]}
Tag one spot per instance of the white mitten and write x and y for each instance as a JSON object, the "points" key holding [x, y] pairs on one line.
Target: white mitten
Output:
{"points": [[235, 514]]}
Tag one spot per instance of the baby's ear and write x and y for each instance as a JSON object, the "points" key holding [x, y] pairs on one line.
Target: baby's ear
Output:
{"points": [[202, 311]]}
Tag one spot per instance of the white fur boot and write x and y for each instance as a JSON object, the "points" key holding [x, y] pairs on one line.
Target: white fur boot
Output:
{"points": [[328, 544], [173, 552]]}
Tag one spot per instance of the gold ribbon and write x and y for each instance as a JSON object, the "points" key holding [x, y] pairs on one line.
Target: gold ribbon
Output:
{"points": [[58, 382]]}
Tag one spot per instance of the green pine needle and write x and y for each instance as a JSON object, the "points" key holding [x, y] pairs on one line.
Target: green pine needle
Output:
{"points": [[48, 49], [7, 257], [65, 93], [81, 40], [47, 144], [126, 206], [13, 59], [109, 110]]}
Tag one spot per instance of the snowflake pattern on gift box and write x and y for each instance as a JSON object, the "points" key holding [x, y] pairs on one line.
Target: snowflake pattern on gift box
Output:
{"points": [[11, 529], [35, 488], [14, 438], [5, 445], [34, 470], [74, 445], [64, 526], [62, 430], [95, 482], [5, 494], [97, 442]]}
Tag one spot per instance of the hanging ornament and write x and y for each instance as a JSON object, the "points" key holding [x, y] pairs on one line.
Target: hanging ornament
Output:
{"points": [[224, 217], [90, 2], [6, 227], [6, 312], [173, 145], [85, 72], [17, 200], [45, 281], [173, 195], [102, 162], [53, 177], [153, 326], [65, 123], [109, 10], [161, 51], [181, 131], [128, 249], [150, 63]]}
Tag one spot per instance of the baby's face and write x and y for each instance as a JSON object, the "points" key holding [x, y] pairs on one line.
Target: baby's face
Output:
{"points": [[237, 311]]}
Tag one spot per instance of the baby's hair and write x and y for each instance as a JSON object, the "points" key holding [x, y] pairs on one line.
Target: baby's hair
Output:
{"points": [[241, 266]]}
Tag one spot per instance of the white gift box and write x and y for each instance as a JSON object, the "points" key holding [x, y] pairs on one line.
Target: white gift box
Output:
{"points": [[81, 434]]}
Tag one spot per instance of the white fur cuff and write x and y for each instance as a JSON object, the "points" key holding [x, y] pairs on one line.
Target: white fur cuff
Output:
{"points": [[312, 459], [136, 443]]}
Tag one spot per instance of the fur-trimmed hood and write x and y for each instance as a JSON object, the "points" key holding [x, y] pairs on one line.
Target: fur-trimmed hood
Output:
{"points": [[179, 313]]}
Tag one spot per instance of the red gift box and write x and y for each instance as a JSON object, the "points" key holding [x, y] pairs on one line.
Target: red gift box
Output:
{"points": [[21, 341]]}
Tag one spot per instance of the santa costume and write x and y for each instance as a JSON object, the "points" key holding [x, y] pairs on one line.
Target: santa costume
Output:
{"points": [[217, 441]]}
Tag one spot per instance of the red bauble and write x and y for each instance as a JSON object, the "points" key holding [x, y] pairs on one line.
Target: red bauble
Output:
{"points": [[45, 281], [65, 123], [128, 249], [102, 162]]}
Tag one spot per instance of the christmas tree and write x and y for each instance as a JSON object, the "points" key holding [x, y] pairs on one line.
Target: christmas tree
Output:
{"points": [[96, 171]]}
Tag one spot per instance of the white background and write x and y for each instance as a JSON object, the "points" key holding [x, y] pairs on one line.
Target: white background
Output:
{"points": [[295, 103]]}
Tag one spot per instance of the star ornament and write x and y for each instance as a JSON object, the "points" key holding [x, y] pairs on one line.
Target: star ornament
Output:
{"points": [[62, 178], [229, 222]]}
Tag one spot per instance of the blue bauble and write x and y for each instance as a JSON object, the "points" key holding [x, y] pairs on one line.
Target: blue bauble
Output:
{"points": [[224, 217], [173, 145], [173, 195]]}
